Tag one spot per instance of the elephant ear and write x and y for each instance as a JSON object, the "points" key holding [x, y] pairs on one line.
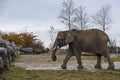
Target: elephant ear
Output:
{"points": [[69, 38], [55, 43]]}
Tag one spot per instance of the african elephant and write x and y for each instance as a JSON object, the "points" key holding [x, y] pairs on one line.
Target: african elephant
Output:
{"points": [[91, 41]]}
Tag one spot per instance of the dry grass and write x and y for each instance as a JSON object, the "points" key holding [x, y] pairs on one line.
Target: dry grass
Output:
{"points": [[16, 73], [46, 58], [21, 74]]}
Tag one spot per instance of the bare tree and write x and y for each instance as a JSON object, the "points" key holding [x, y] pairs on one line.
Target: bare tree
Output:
{"points": [[1, 33], [67, 13], [52, 35], [113, 42], [112, 46], [102, 17], [81, 18]]}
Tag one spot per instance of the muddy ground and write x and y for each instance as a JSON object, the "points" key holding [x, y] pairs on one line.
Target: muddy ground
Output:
{"points": [[44, 62]]}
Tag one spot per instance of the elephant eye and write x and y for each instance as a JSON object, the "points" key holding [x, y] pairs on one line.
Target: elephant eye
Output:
{"points": [[60, 40]]}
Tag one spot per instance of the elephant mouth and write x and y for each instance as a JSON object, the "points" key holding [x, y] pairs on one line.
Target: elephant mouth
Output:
{"points": [[61, 45]]}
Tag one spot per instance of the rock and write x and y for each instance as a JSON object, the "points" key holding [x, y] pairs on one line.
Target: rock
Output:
{"points": [[38, 50], [27, 50], [1, 63]]}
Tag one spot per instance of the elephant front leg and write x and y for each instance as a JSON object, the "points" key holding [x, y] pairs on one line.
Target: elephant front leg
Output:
{"points": [[98, 65], [78, 57], [79, 61], [66, 60]]}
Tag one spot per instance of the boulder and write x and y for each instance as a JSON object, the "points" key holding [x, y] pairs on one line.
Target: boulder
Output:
{"points": [[1, 63], [39, 50], [27, 50]]}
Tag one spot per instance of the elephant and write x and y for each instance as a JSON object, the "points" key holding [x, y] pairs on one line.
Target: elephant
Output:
{"points": [[92, 41]]}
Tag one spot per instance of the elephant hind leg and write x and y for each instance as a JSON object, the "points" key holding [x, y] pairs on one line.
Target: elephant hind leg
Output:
{"points": [[98, 65], [110, 62]]}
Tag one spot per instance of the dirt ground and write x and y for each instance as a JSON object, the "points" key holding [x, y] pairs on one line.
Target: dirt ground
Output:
{"points": [[44, 62]]}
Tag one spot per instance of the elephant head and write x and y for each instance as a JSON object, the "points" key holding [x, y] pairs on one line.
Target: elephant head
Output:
{"points": [[63, 38]]}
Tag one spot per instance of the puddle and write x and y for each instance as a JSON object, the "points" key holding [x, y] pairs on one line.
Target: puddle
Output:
{"points": [[44, 62], [88, 66]]}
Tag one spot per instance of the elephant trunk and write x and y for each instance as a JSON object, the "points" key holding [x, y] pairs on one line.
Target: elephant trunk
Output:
{"points": [[54, 49], [54, 58]]}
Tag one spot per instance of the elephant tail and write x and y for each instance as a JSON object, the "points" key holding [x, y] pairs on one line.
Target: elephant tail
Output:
{"points": [[108, 39]]}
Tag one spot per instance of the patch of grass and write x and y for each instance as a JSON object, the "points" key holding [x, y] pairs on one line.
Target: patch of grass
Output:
{"points": [[89, 57], [16, 73], [18, 59], [116, 58]]}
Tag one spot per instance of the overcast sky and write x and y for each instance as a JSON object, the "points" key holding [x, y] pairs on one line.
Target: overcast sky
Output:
{"points": [[39, 15]]}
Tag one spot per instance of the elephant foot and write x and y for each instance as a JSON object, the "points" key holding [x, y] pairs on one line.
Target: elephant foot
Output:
{"points": [[98, 66], [63, 66], [80, 67]]}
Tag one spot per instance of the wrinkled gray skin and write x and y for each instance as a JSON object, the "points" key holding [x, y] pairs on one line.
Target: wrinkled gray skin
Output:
{"points": [[91, 41]]}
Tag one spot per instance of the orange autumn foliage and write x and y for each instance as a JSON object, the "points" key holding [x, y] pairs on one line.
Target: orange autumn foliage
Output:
{"points": [[24, 39], [27, 39], [12, 37]]}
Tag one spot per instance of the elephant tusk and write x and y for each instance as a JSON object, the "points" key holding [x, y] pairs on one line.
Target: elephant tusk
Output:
{"points": [[54, 49]]}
